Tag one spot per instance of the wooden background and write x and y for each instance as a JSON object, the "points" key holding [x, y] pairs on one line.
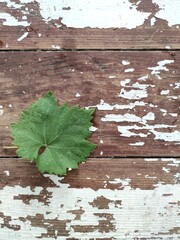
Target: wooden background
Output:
{"points": [[129, 70]]}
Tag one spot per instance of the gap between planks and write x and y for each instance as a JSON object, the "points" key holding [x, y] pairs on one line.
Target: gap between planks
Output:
{"points": [[90, 50]]}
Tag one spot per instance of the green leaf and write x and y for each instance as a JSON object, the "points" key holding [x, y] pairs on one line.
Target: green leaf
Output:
{"points": [[60, 132]]}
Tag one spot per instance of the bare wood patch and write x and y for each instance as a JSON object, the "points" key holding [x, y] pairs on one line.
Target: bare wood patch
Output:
{"points": [[96, 173]]}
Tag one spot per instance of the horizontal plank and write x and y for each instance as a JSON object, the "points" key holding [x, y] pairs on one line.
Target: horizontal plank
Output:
{"points": [[114, 24], [122, 198], [136, 96], [96, 173]]}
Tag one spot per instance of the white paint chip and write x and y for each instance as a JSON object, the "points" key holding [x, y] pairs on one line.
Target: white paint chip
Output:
{"points": [[169, 11], [167, 136], [145, 130], [164, 92], [125, 62], [56, 47], [124, 82], [1, 112], [133, 94], [78, 95], [128, 118], [173, 114], [129, 70], [93, 129], [7, 173], [112, 76], [137, 144], [167, 47], [23, 36], [153, 20], [160, 67], [9, 20], [166, 170], [177, 85]]}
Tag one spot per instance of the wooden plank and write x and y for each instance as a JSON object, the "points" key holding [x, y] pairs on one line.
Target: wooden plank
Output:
{"points": [[96, 173], [121, 198], [136, 95], [153, 24]]}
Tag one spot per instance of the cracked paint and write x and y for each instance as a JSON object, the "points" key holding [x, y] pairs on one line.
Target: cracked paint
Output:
{"points": [[79, 213], [79, 15]]}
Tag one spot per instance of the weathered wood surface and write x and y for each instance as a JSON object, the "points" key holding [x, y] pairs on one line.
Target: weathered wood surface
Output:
{"points": [[104, 199], [129, 187], [115, 24], [136, 94]]}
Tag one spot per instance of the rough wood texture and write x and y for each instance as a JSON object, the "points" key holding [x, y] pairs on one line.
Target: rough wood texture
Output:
{"points": [[117, 24], [129, 187], [137, 104], [99, 198]]}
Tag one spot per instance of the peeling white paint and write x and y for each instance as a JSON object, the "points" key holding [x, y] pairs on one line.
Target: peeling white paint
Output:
{"points": [[143, 78], [152, 21], [124, 82], [23, 36], [137, 144], [166, 170], [56, 46], [94, 14], [150, 177], [148, 211], [112, 76], [7, 173], [125, 62], [167, 136], [160, 67], [128, 118], [164, 92], [78, 95], [106, 14], [177, 85], [101, 141], [129, 70], [93, 129], [174, 97], [133, 94], [167, 47], [8, 20], [169, 11], [124, 182], [173, 114], [1, 112], [107, 107], [151, 159], [129, 131]]}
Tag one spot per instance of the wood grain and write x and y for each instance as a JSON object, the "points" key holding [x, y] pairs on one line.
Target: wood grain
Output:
{"points": [[43, 34], [96, 173], [90, 201], [123, 59], [148, 103]]}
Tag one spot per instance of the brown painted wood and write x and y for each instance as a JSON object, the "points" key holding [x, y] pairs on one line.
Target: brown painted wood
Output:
{"points": [[142, 37], [96, 173], [128, 188], [97, 76]]}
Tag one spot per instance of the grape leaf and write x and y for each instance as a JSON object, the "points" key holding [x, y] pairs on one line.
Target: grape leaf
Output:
{"points": [[60, 132]]}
